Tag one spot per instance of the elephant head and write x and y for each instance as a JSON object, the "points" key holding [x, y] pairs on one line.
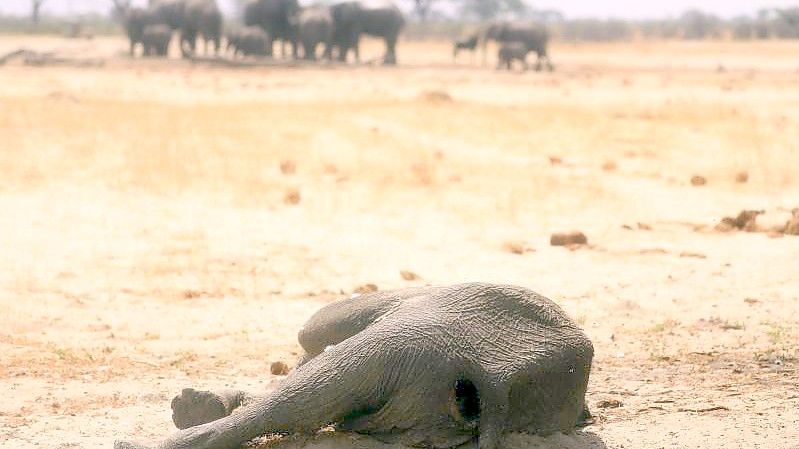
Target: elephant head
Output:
{"points": [[431, 366]]}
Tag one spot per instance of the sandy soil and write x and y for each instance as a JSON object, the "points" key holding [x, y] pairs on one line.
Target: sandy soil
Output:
{"points": [[168, 225]]}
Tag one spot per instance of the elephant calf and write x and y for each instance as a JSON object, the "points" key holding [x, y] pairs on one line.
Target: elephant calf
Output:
{"points": [[429, 366], [155, 40], [512, 51], [249, 41]]}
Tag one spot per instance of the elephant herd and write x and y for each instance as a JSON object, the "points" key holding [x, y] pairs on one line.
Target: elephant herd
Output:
{"points": [[336, 28], [516, 40]]}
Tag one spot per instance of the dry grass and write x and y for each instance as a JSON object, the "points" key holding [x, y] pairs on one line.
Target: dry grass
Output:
{"points": [[157, 215]]}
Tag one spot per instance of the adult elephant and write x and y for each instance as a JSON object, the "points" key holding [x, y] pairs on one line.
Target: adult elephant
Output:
{"points": [[535, 37], [192, 18], [200, 18], [277, 18], [315, 26], [382, 19], [135, 21]]}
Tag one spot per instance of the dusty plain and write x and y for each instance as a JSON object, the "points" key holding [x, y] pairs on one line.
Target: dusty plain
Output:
{"points": [[166, 224]]}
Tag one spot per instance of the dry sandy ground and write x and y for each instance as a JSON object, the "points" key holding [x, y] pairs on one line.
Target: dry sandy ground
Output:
{"points": [[166, 225]]}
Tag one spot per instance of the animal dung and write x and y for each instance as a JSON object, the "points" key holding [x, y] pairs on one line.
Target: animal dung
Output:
{"points": [[365, 288], [746, 220], [288, 167], [436, 96], [568, 238], [697, 180], [409, 275], [279, 368], [742, 177], [292, 196], [514, 247]]}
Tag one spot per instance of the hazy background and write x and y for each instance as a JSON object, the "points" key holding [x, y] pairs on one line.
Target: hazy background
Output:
{"points": [[570, 8]]}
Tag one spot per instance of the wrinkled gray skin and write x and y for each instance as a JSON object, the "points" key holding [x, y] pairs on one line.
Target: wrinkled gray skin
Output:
{"points": [[315, 27], [430, 366], [512, 51], [249, 41], [155, 40], [467, 43], [380, 19], [534, 36], [276, 18]]}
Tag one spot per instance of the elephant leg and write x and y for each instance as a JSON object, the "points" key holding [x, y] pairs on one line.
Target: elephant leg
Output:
{"points": [[132, 48], [391, 50], [307, 400], [192, 407]]}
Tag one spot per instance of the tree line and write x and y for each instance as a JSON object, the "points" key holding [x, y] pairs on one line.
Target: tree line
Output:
{"points": [[448, 17]]}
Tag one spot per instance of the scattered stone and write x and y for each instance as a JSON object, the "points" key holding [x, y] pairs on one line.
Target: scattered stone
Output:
{"points": [[644, 226], [365, 288], [555, 160], [568, 238], [288, 167], [279, 368], [751, 300], [742, 177], [609, 403], [407, 275], [697, 180], [292, 196], [609, 166]]}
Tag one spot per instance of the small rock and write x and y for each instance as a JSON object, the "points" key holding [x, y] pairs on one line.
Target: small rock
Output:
{"points": [[609, 166], [365, 288], [555, 160], [742, 177], [288, 167], [644, 227], [569, 238], [292, 196], [407, 275], [279, 368], [698, 180]]}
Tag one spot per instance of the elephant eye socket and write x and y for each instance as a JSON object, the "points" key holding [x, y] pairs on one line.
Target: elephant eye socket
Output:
{"points": [[467, 399]]}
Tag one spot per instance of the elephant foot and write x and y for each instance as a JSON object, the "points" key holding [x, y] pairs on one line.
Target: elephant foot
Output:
{"points": [[128, 445], [191, 408]]}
